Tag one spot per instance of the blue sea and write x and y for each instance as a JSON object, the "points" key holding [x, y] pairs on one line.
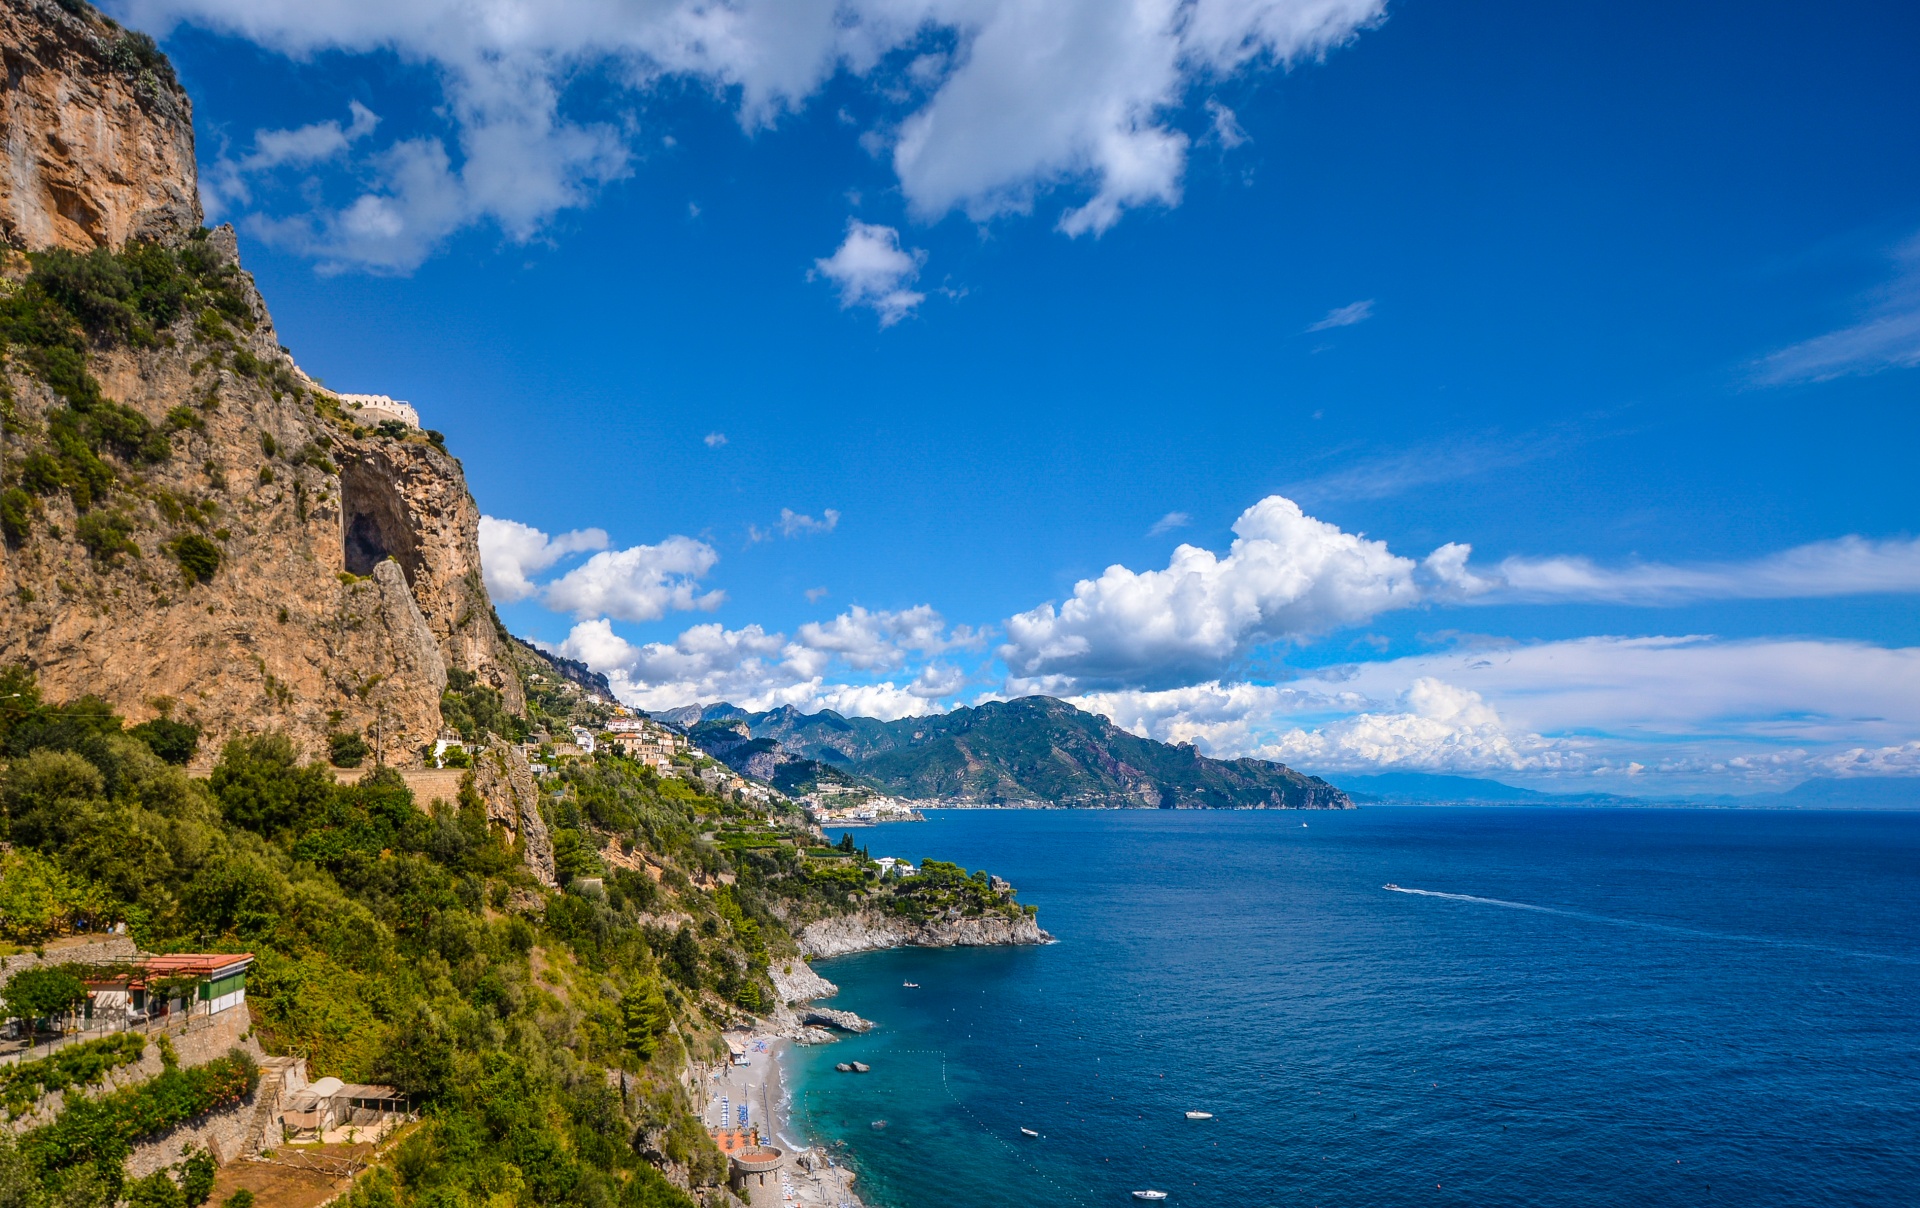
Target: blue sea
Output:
{"points": [[1576, 1007]]}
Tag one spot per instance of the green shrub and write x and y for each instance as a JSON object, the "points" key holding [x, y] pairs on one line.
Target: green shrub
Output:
{"points": [[102, 1131], [16, 515], [197, 556], [346, 749], [106, 535], [173, 741], [76, 1065]]}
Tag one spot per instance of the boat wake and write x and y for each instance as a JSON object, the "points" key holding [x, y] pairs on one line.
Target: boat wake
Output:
{"points": [[1645, 925]]}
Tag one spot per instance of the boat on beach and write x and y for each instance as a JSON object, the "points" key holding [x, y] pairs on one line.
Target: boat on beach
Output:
{"points": [[1155, 1196], [1199, 1115]]}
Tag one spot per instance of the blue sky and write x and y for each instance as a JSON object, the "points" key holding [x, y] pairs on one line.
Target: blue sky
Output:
{"points": [[986, 297]]}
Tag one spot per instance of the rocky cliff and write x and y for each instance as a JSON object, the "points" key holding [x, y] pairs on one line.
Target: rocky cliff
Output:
{"points": [[98, 135], [192, 524], [867, 931]]}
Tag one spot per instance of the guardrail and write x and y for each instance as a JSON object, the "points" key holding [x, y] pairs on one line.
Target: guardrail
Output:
{"points": [[171, 1024]]}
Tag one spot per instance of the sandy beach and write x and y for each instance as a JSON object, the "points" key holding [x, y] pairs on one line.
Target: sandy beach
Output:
{"points": [[808, 1175]]}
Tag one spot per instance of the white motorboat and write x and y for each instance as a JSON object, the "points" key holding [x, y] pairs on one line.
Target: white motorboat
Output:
{"points": [[1028, 1132], [1155, 1196], [1199, 1115]]}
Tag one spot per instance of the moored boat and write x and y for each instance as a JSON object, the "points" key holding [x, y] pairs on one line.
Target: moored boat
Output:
{"points": [[1028, 1132], [1155, 1196], [1199, 1115]]}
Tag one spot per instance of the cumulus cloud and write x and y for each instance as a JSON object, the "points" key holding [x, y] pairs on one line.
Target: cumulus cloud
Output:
{"points": [[1684, 712], [1887, 336], [511, 551], [1022, 96], [756, 669], [871, 269], [715, 439], [640, 583], [1286, 575], [1344, 316]]}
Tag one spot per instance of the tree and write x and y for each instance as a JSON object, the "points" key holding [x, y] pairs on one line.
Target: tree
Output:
{"points": [[173, 741], [683, 958], [346, 749], [262, 786], [44, 990], [644, 1017]]}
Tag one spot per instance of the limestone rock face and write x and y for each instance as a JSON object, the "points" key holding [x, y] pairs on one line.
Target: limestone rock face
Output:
{"points": [[504, 779], [795, 981], [97, 134], [348, 584], [868, 930], [826, 1017]]}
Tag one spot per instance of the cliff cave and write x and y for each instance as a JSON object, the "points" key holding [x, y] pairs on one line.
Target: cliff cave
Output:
{"points": [[374, 521]]}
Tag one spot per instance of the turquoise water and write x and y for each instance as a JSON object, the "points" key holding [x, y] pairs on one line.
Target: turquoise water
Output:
{"points": [[1615, 1007]]}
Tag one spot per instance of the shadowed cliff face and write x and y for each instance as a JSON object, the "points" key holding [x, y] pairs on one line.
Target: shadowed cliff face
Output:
{"points": [[345, 578], [97, 134]]}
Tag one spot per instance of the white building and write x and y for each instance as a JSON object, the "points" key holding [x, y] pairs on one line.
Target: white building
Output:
{"points": [[370, 409]]}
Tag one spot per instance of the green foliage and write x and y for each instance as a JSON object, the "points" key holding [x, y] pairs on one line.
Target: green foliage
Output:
{"points": [[346, 749], [262, 786], [16, 516], [76, 1065], [197, 1173], [476, 710], [398, 943], [100, 1132], [106, 535], [198, 557], [39, 900], [173, 741], [72, 303], [41, 991]]}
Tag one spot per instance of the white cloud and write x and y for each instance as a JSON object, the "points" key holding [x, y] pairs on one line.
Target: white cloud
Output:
{"points": [[1036, 94], [794, 524], [640, 583], [1169, 522], [759, 670], [1629, 714], [871, 269], [715, 439], [1226, 126], [1286, 575], [226, 181], [880, 641], [1886, 337], [511, 551], [1345, 316], [816, 594], [1844, 567]]}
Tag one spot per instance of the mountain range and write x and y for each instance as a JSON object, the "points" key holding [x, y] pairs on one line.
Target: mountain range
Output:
{"points": [[1034, 749]]}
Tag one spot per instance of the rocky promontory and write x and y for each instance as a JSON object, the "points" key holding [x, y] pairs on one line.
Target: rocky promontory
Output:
{"points": [[870, 931]]}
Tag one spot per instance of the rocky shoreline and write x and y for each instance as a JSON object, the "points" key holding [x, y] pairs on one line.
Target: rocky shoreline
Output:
{"points": [[871, 931]]}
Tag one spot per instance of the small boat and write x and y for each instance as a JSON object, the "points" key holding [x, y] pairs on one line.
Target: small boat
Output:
{"points": [[844, 1068], [1389, 885], [1199, 1115], [909, 985], [860, 1067], [879, 1126], [1028, 1132], [1150, 1195]]}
